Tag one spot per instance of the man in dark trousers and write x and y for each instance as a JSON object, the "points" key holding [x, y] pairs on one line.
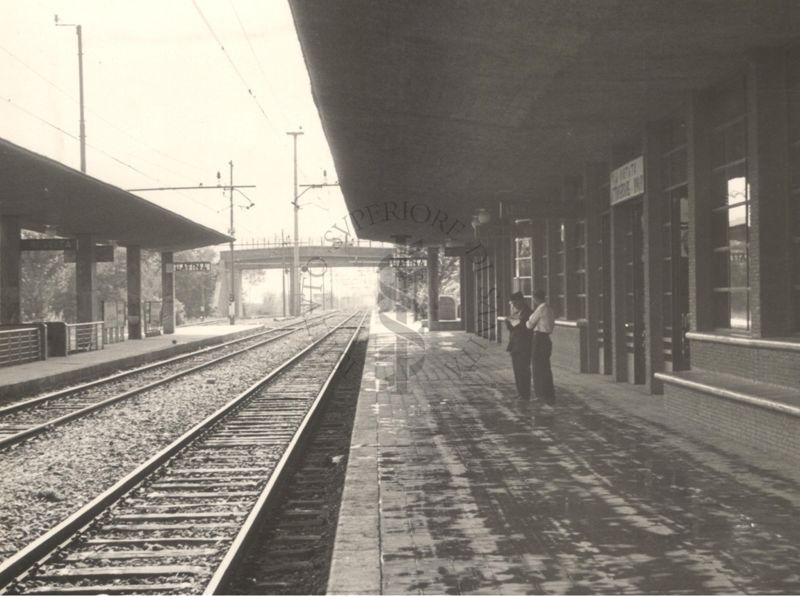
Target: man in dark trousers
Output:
{"points": [[542, 322], [519, 344]]}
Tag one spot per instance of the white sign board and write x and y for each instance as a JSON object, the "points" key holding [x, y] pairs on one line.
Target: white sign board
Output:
{"points": [[627, 181]]}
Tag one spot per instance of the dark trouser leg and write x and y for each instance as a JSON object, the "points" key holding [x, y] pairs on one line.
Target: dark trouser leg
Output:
{"points": [[521, 361], [542, 374]]}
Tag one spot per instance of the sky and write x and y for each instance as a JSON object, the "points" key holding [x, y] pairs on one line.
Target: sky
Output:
{"points": [[165, 105]]}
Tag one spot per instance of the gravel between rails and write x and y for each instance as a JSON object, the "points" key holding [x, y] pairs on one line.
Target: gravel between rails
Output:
{"points": [[44, 480]]}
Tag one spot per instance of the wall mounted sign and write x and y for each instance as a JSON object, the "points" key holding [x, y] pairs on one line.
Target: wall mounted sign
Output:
{"points": [[627, 181]]}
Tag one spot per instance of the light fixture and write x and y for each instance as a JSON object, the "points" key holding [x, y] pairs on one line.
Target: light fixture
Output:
{"points": [[484, 216]]}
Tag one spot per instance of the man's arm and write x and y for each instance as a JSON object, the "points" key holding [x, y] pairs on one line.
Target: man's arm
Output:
{"points": [[534, 318]]}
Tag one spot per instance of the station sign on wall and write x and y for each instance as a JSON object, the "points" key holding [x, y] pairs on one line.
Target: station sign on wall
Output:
{"points": [[627, 181]]}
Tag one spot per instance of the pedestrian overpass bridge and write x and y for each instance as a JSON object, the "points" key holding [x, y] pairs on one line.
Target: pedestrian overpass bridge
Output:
{"points": [[315, 258]]}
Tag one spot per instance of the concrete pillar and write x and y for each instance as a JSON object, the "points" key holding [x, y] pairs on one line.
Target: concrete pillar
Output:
{"points": [[700, 189], [167, 293], [133, 260], [223, 280], [771, 247], [654, 206], [433, 287], [620, 355], [468, 310], [489, 298], [237, 292], [462, 291], [86, 280], [477, 272], [595, 195], [294, 302], [10, 270]]}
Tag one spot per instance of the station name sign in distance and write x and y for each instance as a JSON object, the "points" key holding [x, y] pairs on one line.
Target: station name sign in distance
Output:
{"points": [[407, 262], [197, 266]]}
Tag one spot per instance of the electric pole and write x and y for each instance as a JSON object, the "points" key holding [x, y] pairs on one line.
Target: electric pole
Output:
{"points": [[82, 121], [232, 297], [294, 278]]}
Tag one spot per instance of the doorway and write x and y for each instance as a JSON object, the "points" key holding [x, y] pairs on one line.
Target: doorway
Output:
{"points": [[633, 264]]}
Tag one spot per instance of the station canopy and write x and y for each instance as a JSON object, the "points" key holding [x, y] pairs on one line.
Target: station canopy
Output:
{"points": [[460, 104], [48, 196]]}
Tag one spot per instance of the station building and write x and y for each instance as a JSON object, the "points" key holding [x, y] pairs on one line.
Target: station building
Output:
{"points": [[638, 159]]}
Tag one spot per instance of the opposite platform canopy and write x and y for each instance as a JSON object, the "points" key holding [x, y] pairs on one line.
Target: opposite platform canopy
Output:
{"points": [[460, 104], [48, 196]]}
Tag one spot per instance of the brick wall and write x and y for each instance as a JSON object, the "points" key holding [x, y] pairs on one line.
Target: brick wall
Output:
{"points": [[569, 350], [779, 367], [736, 420]]}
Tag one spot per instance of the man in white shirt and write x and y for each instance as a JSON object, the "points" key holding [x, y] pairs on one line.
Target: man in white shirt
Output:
{"points": [[542, 322]]}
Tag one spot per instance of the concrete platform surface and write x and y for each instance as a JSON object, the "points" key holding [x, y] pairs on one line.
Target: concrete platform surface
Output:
{"points": [[44, 375], [453, 486]]}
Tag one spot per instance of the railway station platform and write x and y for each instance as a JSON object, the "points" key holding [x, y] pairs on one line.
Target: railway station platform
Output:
{"points": [[453, 486], [44, 375]]}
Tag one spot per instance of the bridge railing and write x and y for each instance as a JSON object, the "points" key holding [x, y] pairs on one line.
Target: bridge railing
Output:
{"points": [[276, 243]]}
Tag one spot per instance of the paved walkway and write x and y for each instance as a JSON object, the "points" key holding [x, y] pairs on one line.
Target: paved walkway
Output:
{"points": [[454, 487], [45, 374]]}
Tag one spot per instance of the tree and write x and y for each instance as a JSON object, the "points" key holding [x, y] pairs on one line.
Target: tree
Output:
{"points": [[195, 289]]}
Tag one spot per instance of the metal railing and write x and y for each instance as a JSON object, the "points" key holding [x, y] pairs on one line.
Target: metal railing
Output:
{"points": [[20, 344], [151, 318], [339, 242], [84, 337], [115, 321]]}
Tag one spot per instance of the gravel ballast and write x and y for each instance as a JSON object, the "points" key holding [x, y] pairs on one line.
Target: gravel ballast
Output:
{"points": [[44, 480]]}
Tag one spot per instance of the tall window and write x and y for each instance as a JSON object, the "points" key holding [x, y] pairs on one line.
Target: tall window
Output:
{"points": [[794, 175], [558, 263], [580, 268], [523, 267], [730, 210]]}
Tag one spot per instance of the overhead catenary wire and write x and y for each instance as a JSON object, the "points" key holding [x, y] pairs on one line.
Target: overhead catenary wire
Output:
{"points": [[13, 104], [100, 116], [232, 63]]}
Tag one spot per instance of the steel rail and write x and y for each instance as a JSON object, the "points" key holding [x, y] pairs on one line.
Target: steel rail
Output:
{"points": [[38, 429], [268, 495], [48, 542], [10, 409]]}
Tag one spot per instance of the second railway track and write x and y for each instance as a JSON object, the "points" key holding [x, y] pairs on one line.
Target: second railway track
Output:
{"points": [[23, 420], [178, 522]]}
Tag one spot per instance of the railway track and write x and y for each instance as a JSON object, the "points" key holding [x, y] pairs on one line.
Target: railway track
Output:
{"points": [[29, 418], [179, 522]]}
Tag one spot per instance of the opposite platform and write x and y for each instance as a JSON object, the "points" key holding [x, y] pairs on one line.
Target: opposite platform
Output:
{"points": [[45, 375], [453, 486]]}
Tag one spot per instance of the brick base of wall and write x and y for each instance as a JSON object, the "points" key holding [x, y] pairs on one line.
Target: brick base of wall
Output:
{"points": [[751, 425], [775, 366]]}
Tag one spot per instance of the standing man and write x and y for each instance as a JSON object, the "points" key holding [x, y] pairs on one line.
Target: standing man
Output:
{"points": [[519, 344], [541, 322]]}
